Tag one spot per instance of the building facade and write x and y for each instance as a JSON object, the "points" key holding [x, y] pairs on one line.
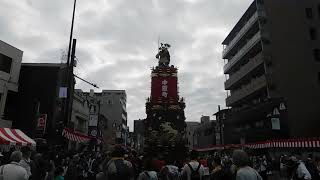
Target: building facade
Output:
{"points": [[10, 64], [225, 129], [273, 70], [138, 135], [80, 116], [112, 105], [190, 133], [38, 95], [204, 119], [205, 134]]}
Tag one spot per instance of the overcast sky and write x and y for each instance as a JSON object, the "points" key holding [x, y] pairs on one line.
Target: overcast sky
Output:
{"points": [[117, 43]]}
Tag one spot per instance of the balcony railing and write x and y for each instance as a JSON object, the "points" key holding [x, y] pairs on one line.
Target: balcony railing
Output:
{"points": [[251, 65], [256, 38], [252, 87], [244, 29]]}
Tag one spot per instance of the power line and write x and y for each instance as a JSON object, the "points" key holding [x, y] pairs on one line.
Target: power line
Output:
{"points": [[92, 84]]}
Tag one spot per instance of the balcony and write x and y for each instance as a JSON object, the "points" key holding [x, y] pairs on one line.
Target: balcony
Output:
{"points": [[247, 68], [124, 117], [247, 90], [240, 34], [253, 41]]}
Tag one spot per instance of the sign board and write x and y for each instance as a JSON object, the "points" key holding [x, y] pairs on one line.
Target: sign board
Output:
{"points": [[164, 87], [93, 120], [63, 92], [92, 131], [41, 123]]}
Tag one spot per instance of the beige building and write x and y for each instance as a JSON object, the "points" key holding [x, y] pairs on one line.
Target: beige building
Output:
{"points": [[79, 116], [10, 63], [112, 106]]}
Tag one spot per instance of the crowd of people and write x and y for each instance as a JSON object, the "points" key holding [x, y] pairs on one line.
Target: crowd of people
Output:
{"points": [[127, 165]]}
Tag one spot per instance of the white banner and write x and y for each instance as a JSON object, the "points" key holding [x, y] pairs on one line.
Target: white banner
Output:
{"points": [[275, 123], [93, 120], [63, 92]]}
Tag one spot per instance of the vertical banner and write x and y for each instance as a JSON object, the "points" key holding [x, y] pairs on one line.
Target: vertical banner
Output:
{"points": [[63, 92], [93, 120], [275, 122]]}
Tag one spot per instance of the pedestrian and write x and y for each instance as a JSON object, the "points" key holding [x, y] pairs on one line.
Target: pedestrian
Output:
{"points": [[159, 163], [65, 164], [245, 172], [13, 170], [118, 168], [74, 171], [169, 171], [262, 167], [193, 170], [136, 163], [38, 165], [312, 168], [50, 168], [58, 173], [149, 172], [300, 172], [25, 161], [218, 172]]}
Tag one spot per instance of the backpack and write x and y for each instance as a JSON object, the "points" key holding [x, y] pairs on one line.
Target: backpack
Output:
{"points": [[195, 175], [166, 174], [148, 176]]}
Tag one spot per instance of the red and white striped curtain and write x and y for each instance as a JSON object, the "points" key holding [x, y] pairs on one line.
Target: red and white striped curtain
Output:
{"points": [[289, 143]]}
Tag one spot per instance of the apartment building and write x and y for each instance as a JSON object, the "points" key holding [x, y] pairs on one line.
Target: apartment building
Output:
{"points": [[272, 67]]}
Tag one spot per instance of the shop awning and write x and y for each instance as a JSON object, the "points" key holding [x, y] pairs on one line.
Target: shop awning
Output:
{"points": [[285, 143], [76, 136], [15, 137]]}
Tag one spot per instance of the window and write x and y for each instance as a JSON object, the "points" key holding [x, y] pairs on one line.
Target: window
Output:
{"points": [[5, 63], [313, 33], [318, 77], [319, 10], [260, 1], [316, 54], [309, 13], [109, 101]]}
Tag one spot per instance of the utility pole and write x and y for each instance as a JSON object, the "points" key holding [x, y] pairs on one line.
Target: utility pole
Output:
{"points": [[70, 83], [69, 72], [71, 32]]}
